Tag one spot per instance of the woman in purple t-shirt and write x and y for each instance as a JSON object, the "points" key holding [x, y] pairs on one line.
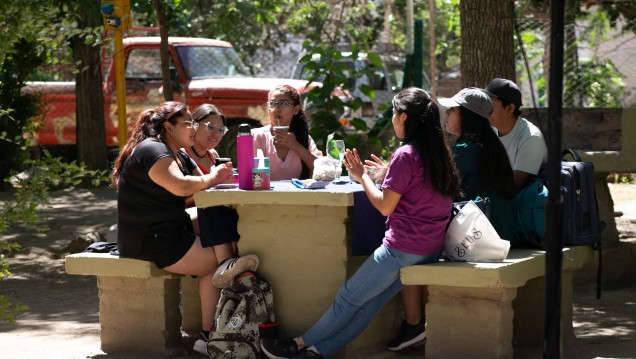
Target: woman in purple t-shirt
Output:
{"points": [[417, 196]]}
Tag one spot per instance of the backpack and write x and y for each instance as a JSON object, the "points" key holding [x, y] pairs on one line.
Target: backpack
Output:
{"points": [[244, 314], [529, 213], [581, 224]]}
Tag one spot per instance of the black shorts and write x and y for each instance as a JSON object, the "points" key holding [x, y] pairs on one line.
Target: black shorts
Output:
{"points": [[166, 247], [218, 225]]}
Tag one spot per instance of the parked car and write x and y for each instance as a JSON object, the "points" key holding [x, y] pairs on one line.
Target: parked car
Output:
{"points": [[385, 81], [202, 71]]}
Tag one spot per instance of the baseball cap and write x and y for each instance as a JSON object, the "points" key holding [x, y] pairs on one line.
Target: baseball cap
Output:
{"points": [[472, 98], [506, 90]]}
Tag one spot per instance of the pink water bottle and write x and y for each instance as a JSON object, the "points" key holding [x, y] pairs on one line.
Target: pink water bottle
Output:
{"points": [[245, 156]]}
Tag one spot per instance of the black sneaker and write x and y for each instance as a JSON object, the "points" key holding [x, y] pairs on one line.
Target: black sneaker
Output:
{"points": [[275, 348], [308, 353], [409, 335]]}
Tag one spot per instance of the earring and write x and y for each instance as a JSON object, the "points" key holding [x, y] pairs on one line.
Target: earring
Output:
{"points": [[171, 133]]}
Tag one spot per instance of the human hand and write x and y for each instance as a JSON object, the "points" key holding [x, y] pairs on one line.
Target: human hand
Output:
{"points": [[375, 165], [222, 173], [354, 165], [376, 168], [284, 138]]}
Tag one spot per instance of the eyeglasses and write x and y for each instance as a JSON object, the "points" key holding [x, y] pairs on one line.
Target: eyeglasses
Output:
{"points": [[212, 127], [282, 104], [191, 124]]}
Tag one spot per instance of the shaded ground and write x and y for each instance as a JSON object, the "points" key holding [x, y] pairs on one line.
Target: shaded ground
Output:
{"points": [[63, 322]]}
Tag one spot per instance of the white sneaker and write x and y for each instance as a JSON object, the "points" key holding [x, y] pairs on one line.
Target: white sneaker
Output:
{"points": [[201, 345], [232, 267]]}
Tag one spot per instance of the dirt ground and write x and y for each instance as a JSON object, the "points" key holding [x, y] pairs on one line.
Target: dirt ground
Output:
{"points": [[63, 322]]}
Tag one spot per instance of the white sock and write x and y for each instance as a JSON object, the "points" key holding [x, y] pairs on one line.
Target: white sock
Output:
{"points": [[313, 349]]}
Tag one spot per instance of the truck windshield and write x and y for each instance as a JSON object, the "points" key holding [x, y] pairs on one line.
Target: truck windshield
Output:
{"points": [[201, 62]]}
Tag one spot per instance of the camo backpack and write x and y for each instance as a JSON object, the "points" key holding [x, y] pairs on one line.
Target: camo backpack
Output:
{"points": [[244, 314]]}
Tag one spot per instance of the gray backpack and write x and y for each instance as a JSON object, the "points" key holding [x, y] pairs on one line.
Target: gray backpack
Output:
{"points": [[244, 314]]}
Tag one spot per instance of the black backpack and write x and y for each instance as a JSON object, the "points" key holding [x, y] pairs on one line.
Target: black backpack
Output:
{"points": [[244, 315], [581, 224]]}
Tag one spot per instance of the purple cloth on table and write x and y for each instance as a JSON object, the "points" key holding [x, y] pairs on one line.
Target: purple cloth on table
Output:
{"points": [[368, 222], [368, 226]]}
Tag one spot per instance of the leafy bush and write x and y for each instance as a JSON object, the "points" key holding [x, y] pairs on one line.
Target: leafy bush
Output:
{"points": [[31, 191], [17, 109]]}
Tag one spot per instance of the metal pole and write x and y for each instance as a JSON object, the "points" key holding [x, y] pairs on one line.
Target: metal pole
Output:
{"points": [[552, 345], [418, 57], [409, 27], [122, 135], [431, 47], [408, 66]]}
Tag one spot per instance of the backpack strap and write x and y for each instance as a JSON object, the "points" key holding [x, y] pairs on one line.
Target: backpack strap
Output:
{"points": [[571, 152]]}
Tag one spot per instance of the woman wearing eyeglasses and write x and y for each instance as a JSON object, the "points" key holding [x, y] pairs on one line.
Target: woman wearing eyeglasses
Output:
{"points": [[286, 140], [212, 127], [153, 178]]}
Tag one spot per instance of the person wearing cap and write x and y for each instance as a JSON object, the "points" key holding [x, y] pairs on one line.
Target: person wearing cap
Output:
{"points": [[523, 140], [485, 171]]}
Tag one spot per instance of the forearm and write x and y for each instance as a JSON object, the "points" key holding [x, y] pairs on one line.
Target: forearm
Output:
{"points": [[305, 156]]}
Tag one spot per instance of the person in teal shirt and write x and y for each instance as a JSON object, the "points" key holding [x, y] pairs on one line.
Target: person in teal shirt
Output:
{"points": [[481, 158], [485, 171]]}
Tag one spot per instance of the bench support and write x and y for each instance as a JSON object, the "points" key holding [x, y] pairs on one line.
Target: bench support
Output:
{"points": [[125, 312], [483, 310], [461, 320]]}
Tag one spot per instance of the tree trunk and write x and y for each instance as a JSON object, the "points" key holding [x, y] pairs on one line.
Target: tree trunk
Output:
{"points": [[165, 56], [487, 29], [89, 98]]}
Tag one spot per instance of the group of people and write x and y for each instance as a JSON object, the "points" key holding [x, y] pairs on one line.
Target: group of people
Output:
{"points": [[171, 155]]}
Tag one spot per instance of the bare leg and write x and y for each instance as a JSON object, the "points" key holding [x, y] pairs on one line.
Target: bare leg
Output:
{"points": [[223, 252], [201, 262], [209, 296], [412, 302]]}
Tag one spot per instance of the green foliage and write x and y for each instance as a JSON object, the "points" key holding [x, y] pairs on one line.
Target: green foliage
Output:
{"points": [[31, 192], [336, 32], [248, 25], [590, 81], [17, 109], [447, 32], [595, 84], [325, 64]]}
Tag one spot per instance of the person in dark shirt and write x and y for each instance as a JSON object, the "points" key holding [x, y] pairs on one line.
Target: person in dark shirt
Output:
{"points": [[153, 178]]}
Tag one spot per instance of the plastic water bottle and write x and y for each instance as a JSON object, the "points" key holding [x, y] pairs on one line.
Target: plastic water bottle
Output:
{"points": [[245, 156]]}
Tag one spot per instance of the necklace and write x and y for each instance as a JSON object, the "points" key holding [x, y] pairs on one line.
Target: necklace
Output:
{"points": [[196, 154]]}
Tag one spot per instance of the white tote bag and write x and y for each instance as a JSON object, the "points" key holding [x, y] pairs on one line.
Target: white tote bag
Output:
{"points": [[470, 237]]}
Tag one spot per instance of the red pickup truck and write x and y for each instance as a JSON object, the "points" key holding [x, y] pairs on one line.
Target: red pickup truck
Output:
{"points": [[202, 71]]}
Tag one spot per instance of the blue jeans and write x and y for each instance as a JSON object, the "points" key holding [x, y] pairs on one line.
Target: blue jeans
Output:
{"points": [[360, 299]]}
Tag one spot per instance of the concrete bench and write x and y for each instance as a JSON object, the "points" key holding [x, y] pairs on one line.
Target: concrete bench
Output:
{"points": [[478, 310], [139, 304]]}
